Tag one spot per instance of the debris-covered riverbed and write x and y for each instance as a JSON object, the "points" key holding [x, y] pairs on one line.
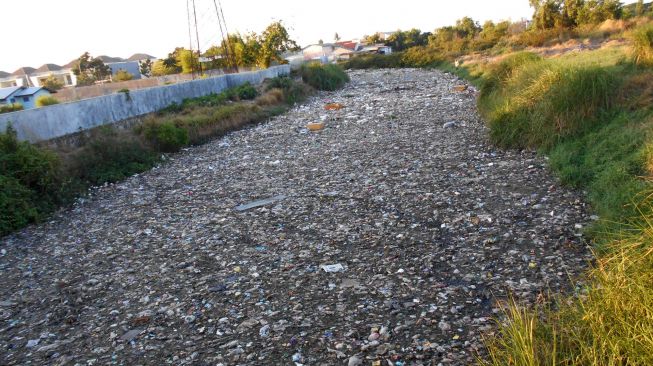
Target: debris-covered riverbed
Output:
{"points": [[383, 239]]}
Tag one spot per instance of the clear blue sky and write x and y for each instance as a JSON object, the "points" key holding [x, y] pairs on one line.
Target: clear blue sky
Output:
{"points": [[46, 31]]}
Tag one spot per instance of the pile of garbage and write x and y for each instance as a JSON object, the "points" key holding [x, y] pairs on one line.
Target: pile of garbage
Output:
{"points": [[390, 236]]}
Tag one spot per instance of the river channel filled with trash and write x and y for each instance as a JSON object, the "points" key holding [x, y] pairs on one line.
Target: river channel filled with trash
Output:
{"points": [[389, 234]]}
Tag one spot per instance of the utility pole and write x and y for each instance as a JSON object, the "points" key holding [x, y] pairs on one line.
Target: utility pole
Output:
{"points": [[190, 39], [197, 35]]}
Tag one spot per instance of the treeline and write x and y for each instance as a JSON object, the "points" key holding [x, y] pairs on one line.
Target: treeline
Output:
{"points": [[249, 50], [552, 19]]}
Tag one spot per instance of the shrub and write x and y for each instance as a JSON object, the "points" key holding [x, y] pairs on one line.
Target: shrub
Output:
{"points": [[109, 156], [30, 181], [122, 75], [374, 61], [166, 136], [271, 97], [643, 46], [422, 57], [244, 92], [324, 77], [293, 92], [46, 100], [6, 108]]}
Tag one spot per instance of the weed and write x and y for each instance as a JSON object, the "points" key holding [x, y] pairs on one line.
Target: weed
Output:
{"points": [[643, 46], [324, 77]]}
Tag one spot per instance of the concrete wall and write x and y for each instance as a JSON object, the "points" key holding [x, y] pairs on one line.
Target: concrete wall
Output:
{"points": [[61, 119]]}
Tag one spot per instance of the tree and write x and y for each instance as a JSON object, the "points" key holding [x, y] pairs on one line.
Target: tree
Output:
{"points": [[547, 13], [172, 61], [570, 11], [373, 39], [160, 69], [336, 37], [402, 40], [188, 61], [597, 11], [320, 42], [52, 83], [274, 41], [145, 67], [89, 70], [123, 75]]}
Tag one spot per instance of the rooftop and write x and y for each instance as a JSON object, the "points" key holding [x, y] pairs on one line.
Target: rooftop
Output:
{"points": [[48, 67], [23, 71]]}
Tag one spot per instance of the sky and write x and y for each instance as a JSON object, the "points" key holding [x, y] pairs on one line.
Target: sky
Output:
{"points": [[45, 31]]}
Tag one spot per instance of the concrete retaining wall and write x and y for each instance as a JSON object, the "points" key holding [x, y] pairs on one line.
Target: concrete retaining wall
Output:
{"points": [[62, 119]]}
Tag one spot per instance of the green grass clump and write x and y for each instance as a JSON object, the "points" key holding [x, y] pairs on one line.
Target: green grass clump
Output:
{"points": [[108, 156], [324, 77], [609, 323], [643, 45], [534, 103]]}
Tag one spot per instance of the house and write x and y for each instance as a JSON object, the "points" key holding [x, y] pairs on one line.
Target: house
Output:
{"points": [[132, 67], [327, 52], [22, 95], [31, 77], [64, 75], [6, 80], [377, 48]]}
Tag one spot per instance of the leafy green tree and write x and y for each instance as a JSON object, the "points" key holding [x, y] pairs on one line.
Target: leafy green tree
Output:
{"points": [[172, 61], [403, 40], [89, 70], [570, 11], [145, 67], [373, 39], [217, 56], [188, 61], [547, 13], [52, 83], [274, 41], [336, 37], [597, 11], [246, 49], [123, 75], [159, 68]]}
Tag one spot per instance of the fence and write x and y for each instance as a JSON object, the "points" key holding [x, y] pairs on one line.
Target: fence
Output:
{"points": [[62, 119]]}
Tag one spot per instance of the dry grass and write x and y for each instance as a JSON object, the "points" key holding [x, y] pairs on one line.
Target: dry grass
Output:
{"points": [[271, 97]]}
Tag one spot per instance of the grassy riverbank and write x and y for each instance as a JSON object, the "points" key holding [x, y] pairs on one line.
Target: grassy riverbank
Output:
{"points": [[35, 180], [589, 112]]}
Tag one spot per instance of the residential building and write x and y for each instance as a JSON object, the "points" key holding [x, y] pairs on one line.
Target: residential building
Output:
{"points": [[22, 95], [31, 77], [64, 75]]}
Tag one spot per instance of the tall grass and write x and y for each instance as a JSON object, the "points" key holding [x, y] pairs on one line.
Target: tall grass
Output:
{"points": [[324, 77], [531, 102], [593, 120], [643, 45]]}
